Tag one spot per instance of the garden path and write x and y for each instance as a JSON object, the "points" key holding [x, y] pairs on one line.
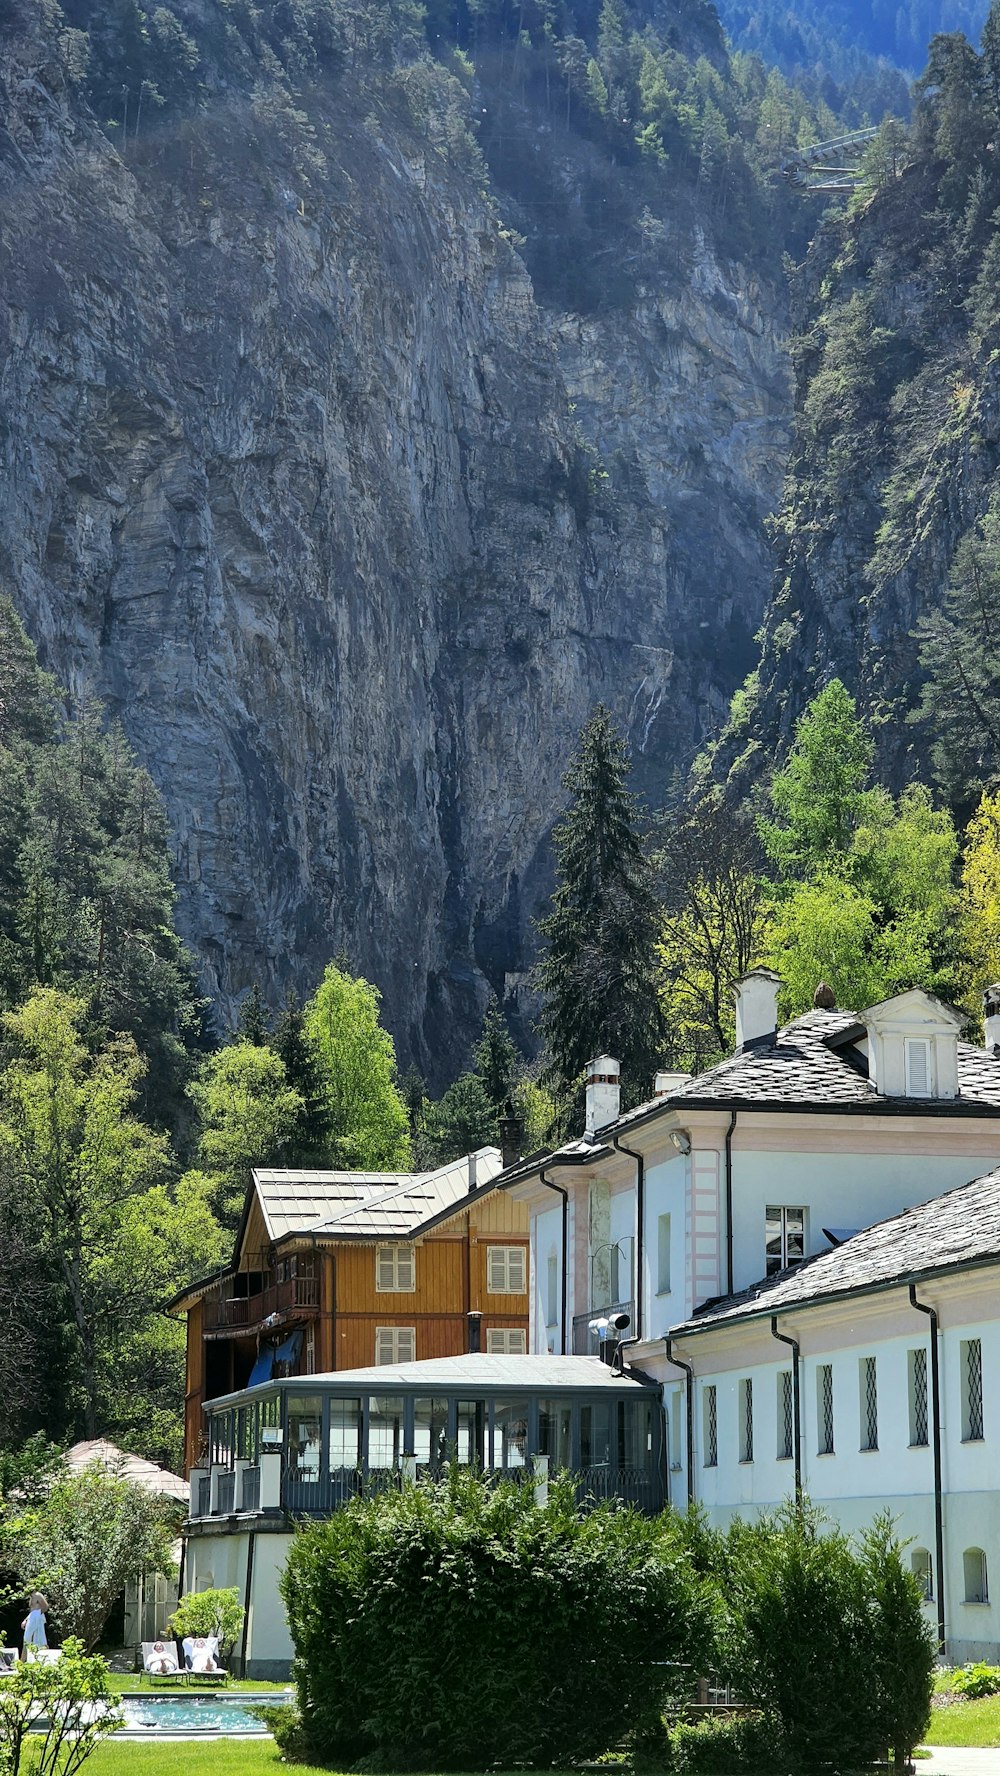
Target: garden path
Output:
{"points": [[946, 1760]]}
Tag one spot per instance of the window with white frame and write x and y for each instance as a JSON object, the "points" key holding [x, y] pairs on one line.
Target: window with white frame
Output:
{"points": [[746, 1419], [710, 1425], [395, 1344], [663, 1255], [868, 1390], [916, 1364], [922, 1569], [784, 1237], [786, 1415], [506, 1341], [918, 1067], [395, 1270], [971, 1356], [506, 1271], [551, 1290], [974, 1573], [824, 1408]]}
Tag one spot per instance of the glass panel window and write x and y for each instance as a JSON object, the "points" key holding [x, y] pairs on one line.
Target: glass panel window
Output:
{"points": [[869, 1403], [824, 1408], [270, 1422], [395, 1270], [784, 1237], [395, 1344], [663, 1255], [470, 1447], [746, 1420], [551, 1290], [506, 1270], [917, 1388], [710, 1431], [510, 1434], [305, 1430], [345, 1434], [385, 1431], [595, 1436], [923, 1571], [786, 1415], [972, 1390], [506, 1341], [974, 1570], [554, 1424], [430, 1433]]}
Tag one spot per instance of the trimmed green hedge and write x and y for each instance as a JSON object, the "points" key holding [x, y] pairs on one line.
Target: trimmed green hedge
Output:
{"points": [[457, 1625]]}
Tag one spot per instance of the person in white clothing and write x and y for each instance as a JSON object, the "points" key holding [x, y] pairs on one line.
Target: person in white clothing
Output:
{"points": [[33, 1625]]}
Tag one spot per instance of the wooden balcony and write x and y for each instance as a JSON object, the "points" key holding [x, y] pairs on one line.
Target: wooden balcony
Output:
{"points": [[227, 1311]]}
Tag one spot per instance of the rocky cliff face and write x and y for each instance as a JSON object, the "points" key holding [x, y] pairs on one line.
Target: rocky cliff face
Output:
{"points": [[350, 532]]}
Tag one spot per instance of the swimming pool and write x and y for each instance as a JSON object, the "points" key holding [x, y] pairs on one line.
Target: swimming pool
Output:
{"points": [[148, 1715]]}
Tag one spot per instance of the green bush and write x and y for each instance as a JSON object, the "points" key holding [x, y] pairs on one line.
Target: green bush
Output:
{"points": [[730, 1745], [73, 1696], [458, 1625], [824, 1637], [976, 1680]]}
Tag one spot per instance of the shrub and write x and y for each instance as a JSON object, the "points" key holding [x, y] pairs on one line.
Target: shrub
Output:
{"points": [[76, 1700], [826, 1639], [976, 1680], [458, 1625], [209, 1612], [734, 1745]]}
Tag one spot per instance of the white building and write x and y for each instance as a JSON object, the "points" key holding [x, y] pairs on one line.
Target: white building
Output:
{"points": [[676, 1212]]}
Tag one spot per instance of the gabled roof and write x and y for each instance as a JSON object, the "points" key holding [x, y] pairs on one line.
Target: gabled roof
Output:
{"points": [[127, 1467], [366, 1205], [955, 1231]]}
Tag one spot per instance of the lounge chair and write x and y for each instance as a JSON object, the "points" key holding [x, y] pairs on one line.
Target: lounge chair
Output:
{"points": [[36, 1655], [160, 1663], [8, 1661], [201, 1659]]}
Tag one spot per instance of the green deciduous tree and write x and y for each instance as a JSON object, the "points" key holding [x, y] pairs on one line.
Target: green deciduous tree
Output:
{"points": [[368, 1123], [82, 1542], [816, 796], [598, 973], [76, 1699]]}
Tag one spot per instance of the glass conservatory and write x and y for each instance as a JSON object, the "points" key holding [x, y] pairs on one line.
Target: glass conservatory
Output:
{"points": [[307, 1444]]}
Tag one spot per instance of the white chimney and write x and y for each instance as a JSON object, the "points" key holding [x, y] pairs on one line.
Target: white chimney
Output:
{"points": [[756, 1006], [603, 1092], [665, 1083], [991, 1015], [473, 1168]]}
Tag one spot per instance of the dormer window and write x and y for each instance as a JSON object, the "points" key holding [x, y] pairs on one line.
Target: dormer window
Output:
{"points": [[918, 1068]]}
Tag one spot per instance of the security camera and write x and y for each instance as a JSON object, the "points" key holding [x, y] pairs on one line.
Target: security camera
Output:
{"points": [[620, 1322]]}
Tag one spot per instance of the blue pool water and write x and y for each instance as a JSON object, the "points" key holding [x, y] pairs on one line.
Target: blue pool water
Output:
{"points": [[191, 1713]]}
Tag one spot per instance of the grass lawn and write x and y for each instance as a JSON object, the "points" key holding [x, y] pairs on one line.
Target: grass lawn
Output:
{"points": [[218, 1757], [966, 1723], [132, 1680]]}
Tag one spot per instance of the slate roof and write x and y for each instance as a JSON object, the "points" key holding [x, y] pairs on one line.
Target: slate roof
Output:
{"points": [[479, 1373], [959, 1228], [367, 1205], [127, 1467]]}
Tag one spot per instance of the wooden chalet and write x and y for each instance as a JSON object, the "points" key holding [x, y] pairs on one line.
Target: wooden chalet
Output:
{"points": [[344, 1270]]}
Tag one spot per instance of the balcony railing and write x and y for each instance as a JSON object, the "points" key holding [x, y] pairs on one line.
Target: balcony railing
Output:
{"points": [[635, 1486], [204, 1495], [227, 1493], [225, 1310], [251, 1489], [585, 1341]]}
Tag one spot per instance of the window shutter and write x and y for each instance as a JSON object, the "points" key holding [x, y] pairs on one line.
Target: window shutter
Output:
{"points": [[385, 1277], [383, 1344], [495, 1279], [406, 1344], [918, 1069], [515, 1270], [405, 1267], [502, 1341]]}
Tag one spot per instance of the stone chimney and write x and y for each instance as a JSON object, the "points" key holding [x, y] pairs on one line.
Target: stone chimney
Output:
{"points": [[511, 1136], [604, 1095], [664, 1083], [756, 1006], [991, 1015]]}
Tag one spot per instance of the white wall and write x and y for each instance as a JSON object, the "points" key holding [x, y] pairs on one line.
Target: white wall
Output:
{"points": [[221, 1561], [546, 1243]]}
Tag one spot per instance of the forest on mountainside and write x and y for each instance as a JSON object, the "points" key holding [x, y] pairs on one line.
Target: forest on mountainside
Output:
{"points": [[887, 541]]}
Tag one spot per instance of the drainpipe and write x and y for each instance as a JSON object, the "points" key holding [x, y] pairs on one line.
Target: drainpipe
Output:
{"points": [[921, 1307], [729, 1202], [640, 1217], [565, 1247], [793, 1344], [688, 1370], [251, 1543]]}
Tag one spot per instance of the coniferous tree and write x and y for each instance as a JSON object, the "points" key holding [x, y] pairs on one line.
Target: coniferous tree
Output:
{"points": [[308, 1144], [598, 974], [252, 1025], [496, 1056]]}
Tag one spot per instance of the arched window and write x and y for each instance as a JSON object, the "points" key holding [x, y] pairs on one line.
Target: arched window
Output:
{"points": [[974, 1566], [923, 1571]]}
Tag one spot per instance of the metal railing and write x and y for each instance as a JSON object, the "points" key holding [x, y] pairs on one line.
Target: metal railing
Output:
{"points": [[226, 1309], [633, 1485], [251, 1490], [226, 1493], [204, 1495]]}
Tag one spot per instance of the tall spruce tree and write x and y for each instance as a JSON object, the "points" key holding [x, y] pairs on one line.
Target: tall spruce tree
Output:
{"points": [[309, 1142], [598, 974]]}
